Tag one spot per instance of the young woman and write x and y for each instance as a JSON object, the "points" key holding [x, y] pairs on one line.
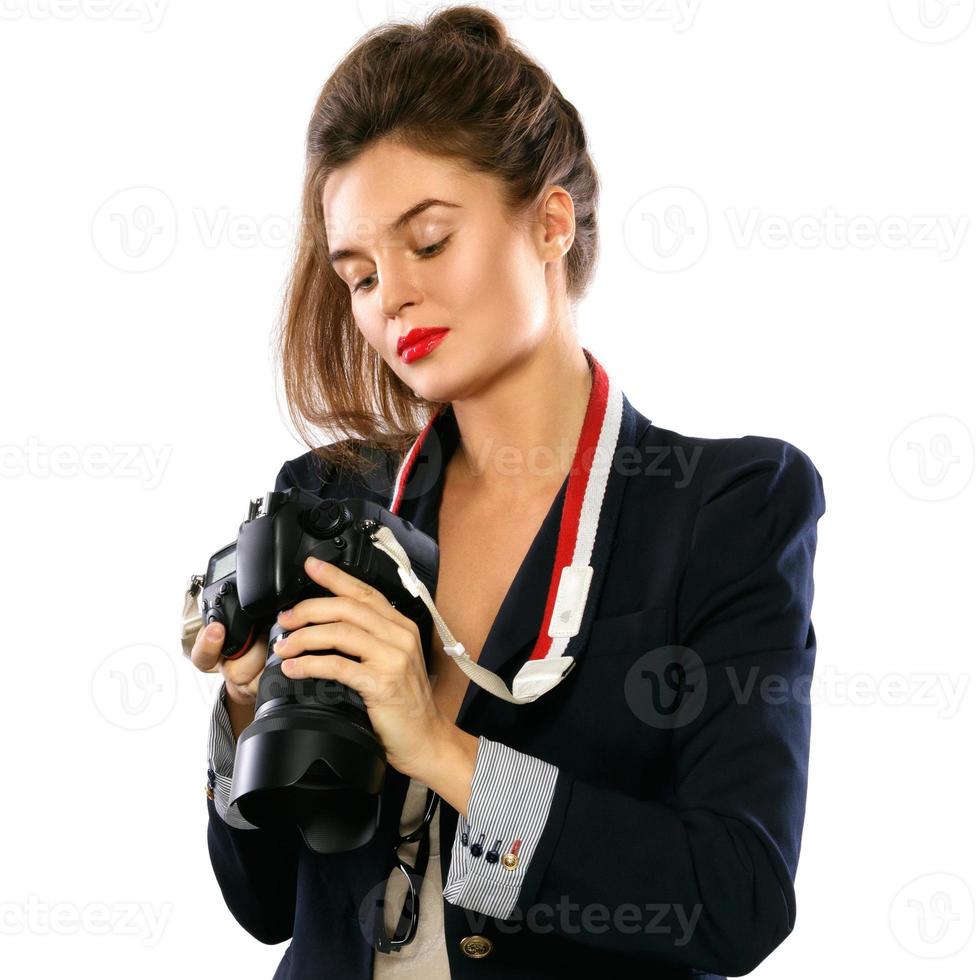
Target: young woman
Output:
{"points": [[612, 786]]}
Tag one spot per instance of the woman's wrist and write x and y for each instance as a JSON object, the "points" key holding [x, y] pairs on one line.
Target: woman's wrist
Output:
{"points": [[449, 766]]}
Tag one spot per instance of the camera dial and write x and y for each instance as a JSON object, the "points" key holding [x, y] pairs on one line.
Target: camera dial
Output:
{"points": [[326, 520]]}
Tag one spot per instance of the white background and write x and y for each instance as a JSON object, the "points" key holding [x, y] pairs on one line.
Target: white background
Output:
{"points": [[820, 287]]}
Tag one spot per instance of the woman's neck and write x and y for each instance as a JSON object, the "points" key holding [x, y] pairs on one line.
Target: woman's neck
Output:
{"points": [[520, 435]]}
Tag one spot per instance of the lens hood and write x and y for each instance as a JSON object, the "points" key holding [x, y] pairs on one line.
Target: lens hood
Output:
{"points": [[313, 768]]}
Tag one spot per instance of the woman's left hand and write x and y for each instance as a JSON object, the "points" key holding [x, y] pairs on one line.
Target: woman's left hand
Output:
{"points": [[390, 672]]}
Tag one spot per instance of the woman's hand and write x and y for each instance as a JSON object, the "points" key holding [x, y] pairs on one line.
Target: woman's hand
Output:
{"points": [[241, 674], [389, 674]]}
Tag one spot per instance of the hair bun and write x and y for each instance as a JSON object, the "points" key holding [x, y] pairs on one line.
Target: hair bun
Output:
{"points": [[473, 22]]}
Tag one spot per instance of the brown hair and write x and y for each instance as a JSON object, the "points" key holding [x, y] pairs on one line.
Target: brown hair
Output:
{"points": [[454, 86]]}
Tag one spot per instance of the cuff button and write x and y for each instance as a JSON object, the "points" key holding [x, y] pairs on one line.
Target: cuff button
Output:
{"points": [[476, 947]]}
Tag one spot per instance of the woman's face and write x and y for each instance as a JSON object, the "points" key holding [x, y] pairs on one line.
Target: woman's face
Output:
{"points": [[458, 264]]}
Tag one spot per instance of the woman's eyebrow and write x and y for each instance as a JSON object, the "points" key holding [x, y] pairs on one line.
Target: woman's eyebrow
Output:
{"points": [[416, 209]]}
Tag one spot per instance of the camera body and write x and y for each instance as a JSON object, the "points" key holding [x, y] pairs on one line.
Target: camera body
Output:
{"points": [[250, 581], [310, 758], [219, 603]]}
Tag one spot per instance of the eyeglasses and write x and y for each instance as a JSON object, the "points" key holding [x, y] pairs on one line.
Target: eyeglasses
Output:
{"points": [[408, 921]]}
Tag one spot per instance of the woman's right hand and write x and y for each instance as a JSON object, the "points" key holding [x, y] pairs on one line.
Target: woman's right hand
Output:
{"points": [[241, 674]]}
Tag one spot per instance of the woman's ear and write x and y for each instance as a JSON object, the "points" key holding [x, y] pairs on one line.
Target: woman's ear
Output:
{"points": [[557, 224]]}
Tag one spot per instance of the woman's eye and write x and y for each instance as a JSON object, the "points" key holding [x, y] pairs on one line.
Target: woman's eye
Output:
{"points": [[424, 253], [433, 249]]}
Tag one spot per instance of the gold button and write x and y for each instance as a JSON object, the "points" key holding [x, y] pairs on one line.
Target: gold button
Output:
{"points": [[509, 860], [476, 947]]}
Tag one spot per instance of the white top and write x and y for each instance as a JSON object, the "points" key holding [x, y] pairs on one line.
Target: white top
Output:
{"points": [[425, 957]]}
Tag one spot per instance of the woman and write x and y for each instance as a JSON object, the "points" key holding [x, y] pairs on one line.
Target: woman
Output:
{"points": [[641, 812]]}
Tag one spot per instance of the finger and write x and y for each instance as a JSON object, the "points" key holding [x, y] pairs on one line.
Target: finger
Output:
{"points": [[207, 646], [341, 583], [327, 667], [336, 609], [341, 636], [374, 686], [244, 669]]}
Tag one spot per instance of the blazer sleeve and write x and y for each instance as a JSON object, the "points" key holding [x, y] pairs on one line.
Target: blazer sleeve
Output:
{"points": [[255, 869], [712, 865]]}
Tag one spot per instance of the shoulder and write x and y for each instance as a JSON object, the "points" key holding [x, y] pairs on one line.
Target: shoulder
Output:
{"points": [[371, 473], [713, 469], [750, 545]]}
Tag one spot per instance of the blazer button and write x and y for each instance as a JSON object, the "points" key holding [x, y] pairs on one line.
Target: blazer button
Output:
{"points": [[476, 947]]}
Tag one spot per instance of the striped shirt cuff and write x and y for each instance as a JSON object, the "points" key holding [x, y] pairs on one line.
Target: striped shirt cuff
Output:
{"points": [[221, 764], [510, 798]]}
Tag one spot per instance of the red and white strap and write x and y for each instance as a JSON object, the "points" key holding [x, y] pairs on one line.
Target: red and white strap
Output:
{"points": [[572, 569]]}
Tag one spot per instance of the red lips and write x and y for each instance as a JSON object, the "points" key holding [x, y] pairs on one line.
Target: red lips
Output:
{"points": [[417, 334]]}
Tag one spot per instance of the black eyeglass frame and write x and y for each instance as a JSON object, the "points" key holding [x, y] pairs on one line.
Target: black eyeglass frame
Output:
{"points": [[408, 921]]}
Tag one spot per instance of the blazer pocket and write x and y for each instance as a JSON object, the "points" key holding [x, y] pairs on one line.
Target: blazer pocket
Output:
{"points": [[628, 633]]}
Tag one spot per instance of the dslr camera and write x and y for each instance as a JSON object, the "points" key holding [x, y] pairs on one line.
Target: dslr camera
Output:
{"points": [[311, 758]]}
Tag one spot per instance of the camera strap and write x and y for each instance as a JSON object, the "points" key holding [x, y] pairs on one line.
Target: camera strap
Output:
{"points": [[572, 570], [191, 621]]}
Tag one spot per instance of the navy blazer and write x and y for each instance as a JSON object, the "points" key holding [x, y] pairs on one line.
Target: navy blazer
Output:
{"points": [[681, 737]]}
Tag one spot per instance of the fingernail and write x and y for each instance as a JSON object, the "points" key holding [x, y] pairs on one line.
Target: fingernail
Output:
{"points": [[215, 631], [314, 563]]}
